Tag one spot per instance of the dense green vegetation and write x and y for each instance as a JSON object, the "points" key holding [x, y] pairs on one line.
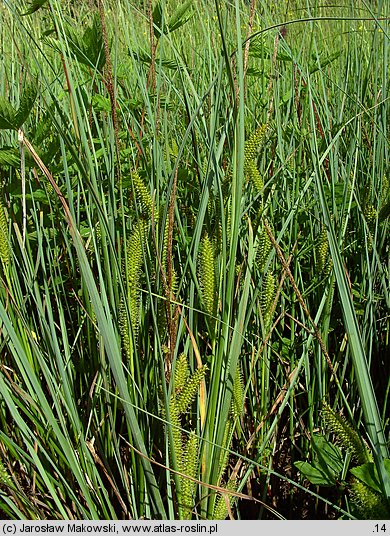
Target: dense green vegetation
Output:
{"points": [[194, 247]]}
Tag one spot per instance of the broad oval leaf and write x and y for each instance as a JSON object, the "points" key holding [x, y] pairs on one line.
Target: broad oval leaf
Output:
{"points": [[329, 456], [368, 474], [314, 474]]}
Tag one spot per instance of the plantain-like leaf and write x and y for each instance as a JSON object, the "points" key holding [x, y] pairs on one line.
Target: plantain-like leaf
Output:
{"points": [[26, 103], [38, 195], [329, 456], [7, 114], [327, 465], [314, 474], [34, 6]]}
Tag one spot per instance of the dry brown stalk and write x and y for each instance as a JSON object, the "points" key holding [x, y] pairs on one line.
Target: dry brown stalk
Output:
{"points": [[110, 88]]}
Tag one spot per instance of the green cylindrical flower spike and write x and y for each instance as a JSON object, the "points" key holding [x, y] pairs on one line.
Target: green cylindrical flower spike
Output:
{"points": [[322, 251], [228, 225], [207, 274], [345, 435], [371, 215], [238, 398], [177, 444], [188, 487], [224, 459], [142, 195], [369, 503], [125, 329], [187, 395], [263, 248], [267, 296], [133, 270], [328, 267], [252, 146], [185, 452], [4, 243], [181, 372], [221, 504], [5, 478], [255, 177]]}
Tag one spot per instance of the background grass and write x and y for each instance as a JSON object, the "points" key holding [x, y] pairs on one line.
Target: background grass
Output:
{"points": [[142, 218]]}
